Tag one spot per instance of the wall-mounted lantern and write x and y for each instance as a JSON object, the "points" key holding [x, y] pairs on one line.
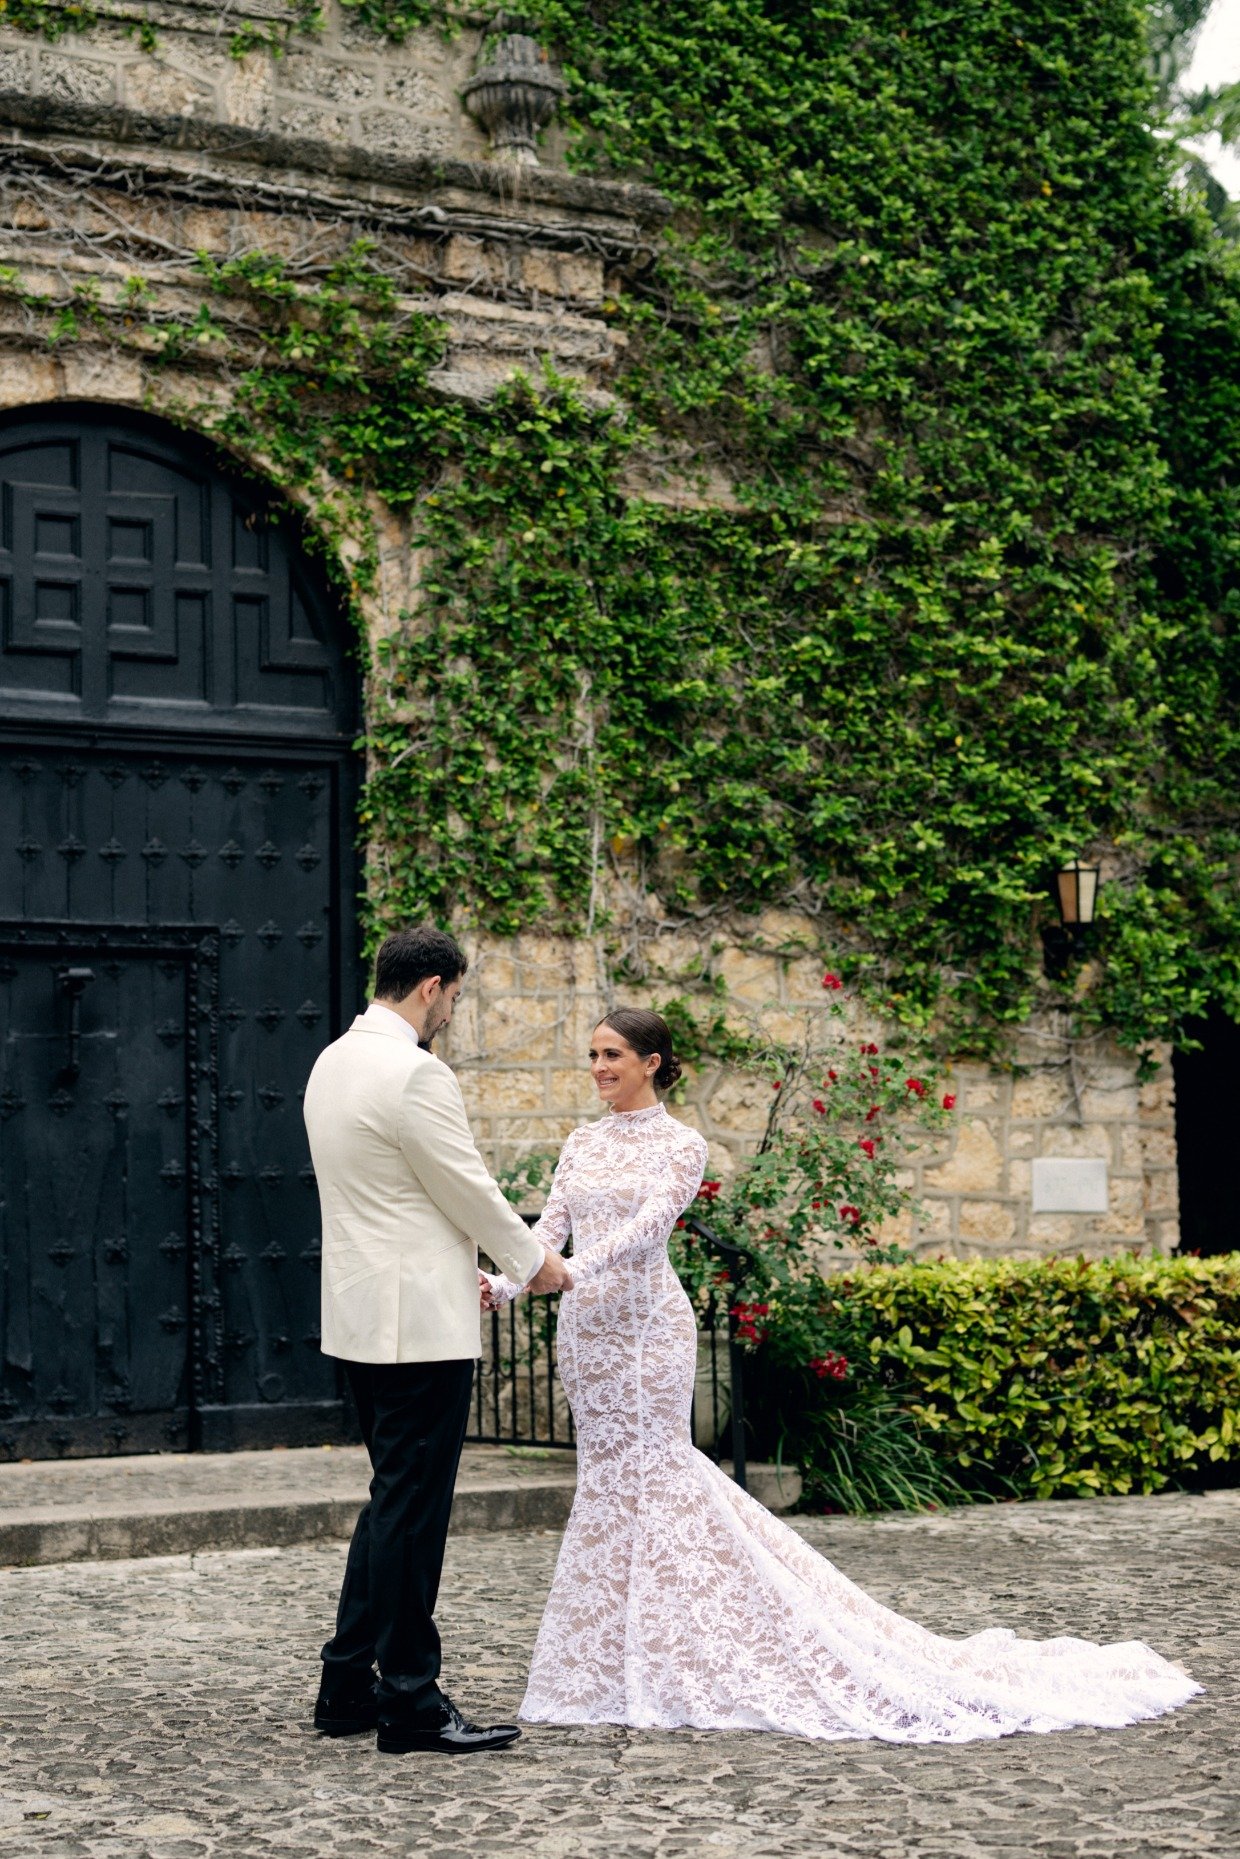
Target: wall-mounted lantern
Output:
{"points": [[515, 93], [1075, 891]]}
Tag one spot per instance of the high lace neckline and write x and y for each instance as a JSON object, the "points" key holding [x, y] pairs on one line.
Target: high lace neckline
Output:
{"points": [[646, 1114]]}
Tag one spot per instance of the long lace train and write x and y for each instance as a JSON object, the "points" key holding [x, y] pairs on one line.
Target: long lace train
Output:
{"points": [[677, 1599]]}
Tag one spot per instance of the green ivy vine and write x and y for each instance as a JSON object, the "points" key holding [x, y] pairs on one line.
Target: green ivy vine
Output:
{"points": [[967, 364], [955, 372], [51, 19]]}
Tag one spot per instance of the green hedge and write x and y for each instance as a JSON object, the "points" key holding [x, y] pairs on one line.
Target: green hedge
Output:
{"points": [[1043, 1378]]}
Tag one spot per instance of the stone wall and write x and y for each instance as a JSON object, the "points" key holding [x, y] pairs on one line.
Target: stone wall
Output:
{"points": [[120, 162], [343, 87], [523, 1029]]}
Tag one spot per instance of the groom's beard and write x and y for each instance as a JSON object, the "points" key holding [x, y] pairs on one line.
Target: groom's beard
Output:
{"points": [[433, 1029]]}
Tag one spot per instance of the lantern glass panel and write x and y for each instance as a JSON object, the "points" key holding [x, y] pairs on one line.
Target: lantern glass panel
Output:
{"points": [[1076, 889], [1087, 891]]}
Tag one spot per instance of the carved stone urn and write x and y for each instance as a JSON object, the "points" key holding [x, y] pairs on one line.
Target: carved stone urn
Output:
{"points": [[513, 96]]}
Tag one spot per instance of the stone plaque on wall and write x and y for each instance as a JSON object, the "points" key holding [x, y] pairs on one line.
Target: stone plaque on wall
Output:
{"points": [[1068, 1185]]}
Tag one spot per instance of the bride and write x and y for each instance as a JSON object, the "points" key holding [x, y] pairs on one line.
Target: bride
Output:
{"points": [[677, 1599]]}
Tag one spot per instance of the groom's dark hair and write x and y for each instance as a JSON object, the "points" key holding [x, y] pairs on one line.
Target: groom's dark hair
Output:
{"points": [[410, 955]]}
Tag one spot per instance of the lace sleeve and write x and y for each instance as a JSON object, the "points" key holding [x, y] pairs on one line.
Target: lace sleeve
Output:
{"points": [[554, 1228], [649, 1227]]}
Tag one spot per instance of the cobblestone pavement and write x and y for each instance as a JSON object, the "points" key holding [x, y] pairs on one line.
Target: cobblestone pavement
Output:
{"points": [[159, 1710]]}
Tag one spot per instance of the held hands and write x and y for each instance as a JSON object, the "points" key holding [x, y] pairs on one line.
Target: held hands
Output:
{"points": [[552, 1275]]}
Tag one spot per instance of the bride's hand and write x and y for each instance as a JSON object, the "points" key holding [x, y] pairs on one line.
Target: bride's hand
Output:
{"points": [[552, 1275], [486, 1296]]}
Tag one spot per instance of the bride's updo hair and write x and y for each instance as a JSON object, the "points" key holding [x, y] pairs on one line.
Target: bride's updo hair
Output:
{"points": [[647, 1033]]}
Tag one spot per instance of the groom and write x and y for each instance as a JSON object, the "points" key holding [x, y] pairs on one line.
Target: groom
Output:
{"points": [[406, 1201]]}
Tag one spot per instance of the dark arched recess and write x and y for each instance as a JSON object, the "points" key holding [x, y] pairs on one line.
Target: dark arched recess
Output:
{"points": [[1207, 1104]]}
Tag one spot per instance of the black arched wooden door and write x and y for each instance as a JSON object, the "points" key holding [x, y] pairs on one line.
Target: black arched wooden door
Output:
{"points": [[177, 941]]}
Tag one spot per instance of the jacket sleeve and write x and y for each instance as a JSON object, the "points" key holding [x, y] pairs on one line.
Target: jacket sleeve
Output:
{"points": [[555, 1224], [436, 1141], [647, 1229]]}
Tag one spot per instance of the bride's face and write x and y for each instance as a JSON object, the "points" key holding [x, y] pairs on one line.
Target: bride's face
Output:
{"points": [[621, 1076]]}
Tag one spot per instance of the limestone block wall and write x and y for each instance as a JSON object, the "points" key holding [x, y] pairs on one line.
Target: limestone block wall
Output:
{"points": [[345, 86], [522, 1031], [124, 161]]}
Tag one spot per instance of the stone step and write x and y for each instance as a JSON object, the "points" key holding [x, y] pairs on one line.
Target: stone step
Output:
{"points": [[76, 1510]]}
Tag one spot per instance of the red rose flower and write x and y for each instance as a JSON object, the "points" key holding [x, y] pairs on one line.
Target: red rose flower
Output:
{"points": [[709, 1191], [867, 1146], [849, 1212], [831, 981], [819, 1106], [748, 1329], [871, 1113], [916, 1086], [949, 1102]]}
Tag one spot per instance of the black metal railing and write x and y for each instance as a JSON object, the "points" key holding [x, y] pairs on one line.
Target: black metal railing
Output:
{"points": [[739, 1264], [518, 1399]]}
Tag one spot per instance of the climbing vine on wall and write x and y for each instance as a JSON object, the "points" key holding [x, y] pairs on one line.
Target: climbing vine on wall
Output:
{"points": [[967, 366], [971, 367], [50, 18], [954, 373]]}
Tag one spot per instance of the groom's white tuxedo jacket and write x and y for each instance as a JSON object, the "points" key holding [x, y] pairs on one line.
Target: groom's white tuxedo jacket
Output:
{"points": [[406, 1201]]}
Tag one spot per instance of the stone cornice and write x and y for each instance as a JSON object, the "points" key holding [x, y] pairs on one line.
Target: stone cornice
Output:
{"points": [[438, 193]]}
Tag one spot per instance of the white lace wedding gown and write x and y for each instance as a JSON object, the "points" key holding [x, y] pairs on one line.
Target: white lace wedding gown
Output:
{"points": [[677, 1599]]}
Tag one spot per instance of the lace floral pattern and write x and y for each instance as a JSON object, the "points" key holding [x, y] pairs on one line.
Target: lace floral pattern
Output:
{"points": [[677, 1599]]}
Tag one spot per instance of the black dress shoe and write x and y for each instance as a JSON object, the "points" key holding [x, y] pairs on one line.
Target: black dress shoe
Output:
{"points": [[451, 1736], [348, 1706]]}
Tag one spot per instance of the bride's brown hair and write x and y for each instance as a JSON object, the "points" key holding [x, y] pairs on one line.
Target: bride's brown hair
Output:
{"points": [[647, 1033]]}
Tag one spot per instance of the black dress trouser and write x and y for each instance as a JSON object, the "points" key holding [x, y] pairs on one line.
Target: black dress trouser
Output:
{"points": [[413, 1417]]}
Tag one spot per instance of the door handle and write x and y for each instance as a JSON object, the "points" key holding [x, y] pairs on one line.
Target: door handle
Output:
{"points": [[73, 981]]}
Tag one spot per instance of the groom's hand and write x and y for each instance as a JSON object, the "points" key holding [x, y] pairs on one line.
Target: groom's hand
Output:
{"points": [[552, 1275]]}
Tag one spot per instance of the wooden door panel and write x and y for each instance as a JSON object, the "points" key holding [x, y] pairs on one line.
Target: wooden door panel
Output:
{"points": [[177, 710], [96, 1171]]}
